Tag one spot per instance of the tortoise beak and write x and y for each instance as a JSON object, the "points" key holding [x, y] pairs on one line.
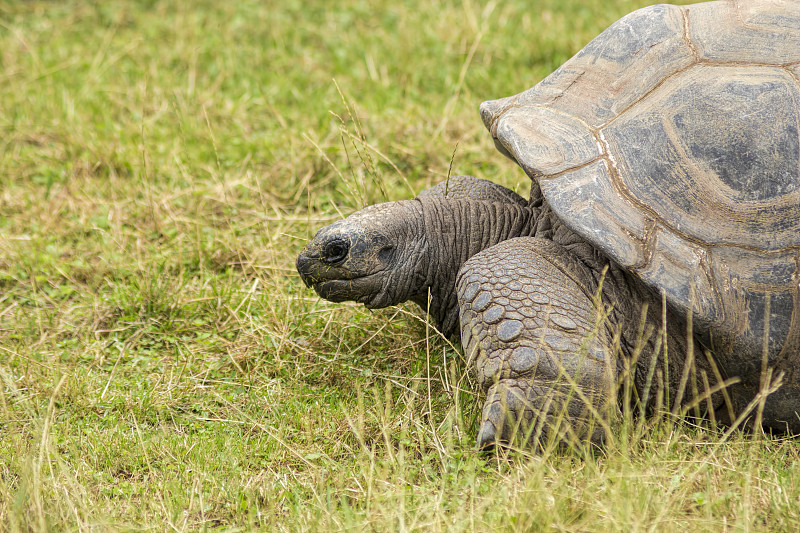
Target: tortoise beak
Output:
{"points": [[305, 267]]}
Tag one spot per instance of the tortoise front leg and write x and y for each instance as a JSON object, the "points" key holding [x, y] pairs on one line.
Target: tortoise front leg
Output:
{"points": [[533, 338]]}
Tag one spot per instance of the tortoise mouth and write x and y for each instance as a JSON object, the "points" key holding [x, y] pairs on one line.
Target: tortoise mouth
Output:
{"points": [[314, 272], [368, 290]]}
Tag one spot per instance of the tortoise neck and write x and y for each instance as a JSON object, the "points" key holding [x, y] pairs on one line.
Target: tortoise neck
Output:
{"points": [[455, 230]]}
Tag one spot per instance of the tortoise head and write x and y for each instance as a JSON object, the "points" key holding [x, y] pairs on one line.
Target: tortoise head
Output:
{"points": [[372, 257]]}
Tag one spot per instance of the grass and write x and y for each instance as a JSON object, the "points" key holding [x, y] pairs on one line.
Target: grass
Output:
{"points": [[162, 365]]}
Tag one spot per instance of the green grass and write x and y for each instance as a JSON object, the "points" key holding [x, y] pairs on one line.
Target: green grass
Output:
{"points": [[162, 365]]}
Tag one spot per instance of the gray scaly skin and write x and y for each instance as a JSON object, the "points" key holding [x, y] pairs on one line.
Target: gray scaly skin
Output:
{"points": [[394, 252], [542, 346], [525, 287]]}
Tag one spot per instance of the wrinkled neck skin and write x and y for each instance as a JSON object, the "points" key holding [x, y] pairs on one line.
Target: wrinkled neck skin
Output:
{"points": [[455, 230]]}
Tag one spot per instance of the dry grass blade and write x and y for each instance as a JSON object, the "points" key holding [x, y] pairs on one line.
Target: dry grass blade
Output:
{"points": [[162, 367]]}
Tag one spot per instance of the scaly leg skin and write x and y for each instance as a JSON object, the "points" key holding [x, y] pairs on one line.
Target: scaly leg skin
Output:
{"points": [[536, 343]]}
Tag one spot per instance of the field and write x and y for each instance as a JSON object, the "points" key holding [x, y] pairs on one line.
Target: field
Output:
{"points": [[162, 366]]}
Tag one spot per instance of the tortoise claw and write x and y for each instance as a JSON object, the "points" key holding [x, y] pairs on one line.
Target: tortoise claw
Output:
{"points": [[487, 437]]}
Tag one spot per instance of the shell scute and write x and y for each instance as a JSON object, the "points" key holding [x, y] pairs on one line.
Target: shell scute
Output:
{"points": [[599, 213], [715, 153], [682, 272], [745, 31], [695, 112], [560, 141], [613, 70]]}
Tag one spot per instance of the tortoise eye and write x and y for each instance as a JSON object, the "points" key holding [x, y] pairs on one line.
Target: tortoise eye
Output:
{"points": [[335, 251], [386, 253]]}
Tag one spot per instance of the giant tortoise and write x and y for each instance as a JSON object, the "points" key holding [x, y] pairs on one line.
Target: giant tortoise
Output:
{"points": [[665, 160]]}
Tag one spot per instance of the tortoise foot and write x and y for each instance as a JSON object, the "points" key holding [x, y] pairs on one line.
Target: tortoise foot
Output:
{"points": [[536, 343]]}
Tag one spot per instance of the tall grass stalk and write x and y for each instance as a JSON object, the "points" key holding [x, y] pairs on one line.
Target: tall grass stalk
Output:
{"points": [[162, 367]]}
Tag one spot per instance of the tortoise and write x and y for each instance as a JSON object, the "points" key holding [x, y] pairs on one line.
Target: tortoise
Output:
{"points": [[661, 238]]}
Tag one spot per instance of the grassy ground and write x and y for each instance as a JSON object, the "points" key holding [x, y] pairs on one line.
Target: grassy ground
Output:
{"points": [[161, 365]]}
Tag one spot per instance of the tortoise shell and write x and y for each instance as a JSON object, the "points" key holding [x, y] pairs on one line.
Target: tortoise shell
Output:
{"points": [[671, 143]]}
